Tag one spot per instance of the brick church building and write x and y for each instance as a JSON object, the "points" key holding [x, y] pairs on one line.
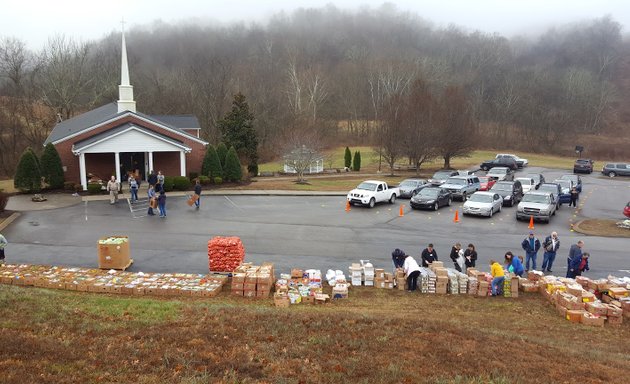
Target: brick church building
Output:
{"points": [[115, 139]]}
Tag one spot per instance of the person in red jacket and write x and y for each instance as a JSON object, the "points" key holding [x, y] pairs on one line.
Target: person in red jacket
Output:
{"points": [[583, 264]]}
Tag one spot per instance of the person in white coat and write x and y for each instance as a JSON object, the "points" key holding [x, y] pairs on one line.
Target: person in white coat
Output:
{"points": [[412, 271]]}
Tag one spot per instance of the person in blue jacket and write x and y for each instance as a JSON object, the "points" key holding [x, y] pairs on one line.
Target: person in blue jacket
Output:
{"points": [[398, 258], [514, 264], [530, 245], [574, 259]]}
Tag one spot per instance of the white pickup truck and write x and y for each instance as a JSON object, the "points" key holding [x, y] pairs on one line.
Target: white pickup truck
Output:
{"points": [[371, 192]]}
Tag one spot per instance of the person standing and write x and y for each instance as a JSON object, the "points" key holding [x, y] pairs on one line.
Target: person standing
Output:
{"points": [[470, 256], [197, 193], [551, 246], [133, 188], [160, 182], [583, 263], [152, 178], [574, 197], [113, 187], [412, 271], [457, 255], [3, 244], [514, 264], [429, 255], [496, 270], [530, 245], [162, 203], [574, 259], [151, 196]]}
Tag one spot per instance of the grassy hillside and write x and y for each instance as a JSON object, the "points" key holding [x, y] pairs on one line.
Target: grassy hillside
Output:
{"points": [[375, 336]]}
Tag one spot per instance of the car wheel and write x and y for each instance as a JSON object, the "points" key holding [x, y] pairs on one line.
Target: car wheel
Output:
{"points": [[392, 199], [554, 213], [448, 202], [436, 206], [484, 168], [500, 205], [491, 211], [372, 203], [612, 174]]}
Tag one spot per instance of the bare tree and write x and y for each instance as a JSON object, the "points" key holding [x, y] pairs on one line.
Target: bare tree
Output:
{"points": [[457, 136], [302, 147]]}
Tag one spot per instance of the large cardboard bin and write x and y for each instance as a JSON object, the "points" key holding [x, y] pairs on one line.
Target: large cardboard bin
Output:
{"points": [[113, 252]]}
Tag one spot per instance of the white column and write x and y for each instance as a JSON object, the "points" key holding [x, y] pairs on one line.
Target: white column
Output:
{"points": [[82, 171], [118, 175], [151, 162], [182, 163]]}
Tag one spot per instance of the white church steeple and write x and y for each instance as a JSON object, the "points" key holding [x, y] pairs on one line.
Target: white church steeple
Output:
{"points": [[125, 89]]}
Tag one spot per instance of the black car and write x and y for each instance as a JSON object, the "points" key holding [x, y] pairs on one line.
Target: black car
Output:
{"points": [[503, 161], [511, 191], [431, 198], [583, 165]]}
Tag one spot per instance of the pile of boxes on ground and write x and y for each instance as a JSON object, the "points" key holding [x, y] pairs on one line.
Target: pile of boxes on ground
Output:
{"points": [[583, 300], [253, 281], [112, 281], [305, 287]]}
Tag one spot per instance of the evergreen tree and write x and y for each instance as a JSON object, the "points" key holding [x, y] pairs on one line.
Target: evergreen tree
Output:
{"points": [[347, 158], [51, 167], [211, 164], [237, 130], [222, 152], [356, 161], [232, 170], [27, 176]]}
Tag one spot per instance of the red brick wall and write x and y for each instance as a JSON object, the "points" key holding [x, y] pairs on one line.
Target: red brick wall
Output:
{"points": [[167, 162], [101, 165], [71, 162]]}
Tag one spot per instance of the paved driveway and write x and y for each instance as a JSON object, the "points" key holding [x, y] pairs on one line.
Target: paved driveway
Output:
{"points": [[307, 231]]}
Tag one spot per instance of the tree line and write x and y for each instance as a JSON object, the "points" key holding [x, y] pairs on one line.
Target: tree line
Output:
{"points": [[329, 76]]}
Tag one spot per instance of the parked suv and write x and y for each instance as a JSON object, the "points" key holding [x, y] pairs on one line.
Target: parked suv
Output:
{"points": [[501, 173], [519, 160], [539, 205], [440, 177], [616, 169], [504, 161], [461, 186], [510, 191], [583, 165], [553, 188]]}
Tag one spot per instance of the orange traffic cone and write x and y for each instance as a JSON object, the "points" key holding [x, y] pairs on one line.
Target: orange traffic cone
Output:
{"points": [[456, 219], [402, 211], [531, 222], [347, 205]]}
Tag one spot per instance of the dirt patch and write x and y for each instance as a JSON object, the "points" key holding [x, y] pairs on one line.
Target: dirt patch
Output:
{"points": [[601, 227]]}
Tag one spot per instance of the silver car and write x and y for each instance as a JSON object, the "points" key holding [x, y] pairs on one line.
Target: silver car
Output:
{"points": [[539, 205], [483, 204], [410, 187]]}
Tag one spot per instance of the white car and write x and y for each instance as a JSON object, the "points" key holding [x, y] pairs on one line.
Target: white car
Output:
{"points": [[528, 183], [483, 204], [522, 163]]}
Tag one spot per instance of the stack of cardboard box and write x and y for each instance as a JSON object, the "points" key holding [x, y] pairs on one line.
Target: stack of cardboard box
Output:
{"points": [[368, 273], [299, 287], [462, 281], [453, 282], [253, 281], [401, 281], [356, 274]]}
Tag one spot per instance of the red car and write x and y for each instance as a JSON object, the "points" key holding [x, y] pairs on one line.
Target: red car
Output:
{"points": [[626, 210], [486, 182]]}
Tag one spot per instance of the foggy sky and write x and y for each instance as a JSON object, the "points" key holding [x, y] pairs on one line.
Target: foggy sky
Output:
{"points": [[34, 21]]}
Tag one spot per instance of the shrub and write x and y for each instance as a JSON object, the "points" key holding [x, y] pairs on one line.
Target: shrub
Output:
{"points": [[347, 158], [252, 169], [192, 176], [356, 161], [94, 188], [204, 180], [169, 183], [222, 151], [218, 180], [211, 164], [69, 186], [27, 176], [51, 167], [232, 170], [4, 200], [181, 183]]}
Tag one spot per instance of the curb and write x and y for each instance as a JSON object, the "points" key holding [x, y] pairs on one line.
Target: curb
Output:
{"points": [[233, 193], [9, 220], [576, 228]]}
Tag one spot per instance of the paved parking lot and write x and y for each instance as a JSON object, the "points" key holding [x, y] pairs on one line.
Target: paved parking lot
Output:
{"points": [[308, 231]]}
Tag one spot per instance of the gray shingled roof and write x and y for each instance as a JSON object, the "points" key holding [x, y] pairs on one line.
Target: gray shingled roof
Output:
{"points": [[106, 112], [83, 143]]}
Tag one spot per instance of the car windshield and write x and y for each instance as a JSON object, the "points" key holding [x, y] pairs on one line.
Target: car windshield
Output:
{"points": [[479, 198], [548, 188], [367, 186], [524, 180], [484, 179], [565, 184], [409, 183], [502, 187], [569, 177], [429, 192], [497, 171], [455, 181], [441, 175], [582, 161], [535, 198]]}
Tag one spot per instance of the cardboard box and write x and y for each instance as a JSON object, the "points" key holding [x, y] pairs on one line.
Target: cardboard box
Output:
{"points": [[596, 308], [389, 276], [401, 283], [281, 301], [588, 297], [561, 310], [379, 273], [379, 283], [113, 256], [441, 272], [389, 285], [483, 289], [614, 320], [617, 292], [574, 316], [249, 287], [592, 320], [236, 292], [612, 310], [308, 299], [297, 273]]}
